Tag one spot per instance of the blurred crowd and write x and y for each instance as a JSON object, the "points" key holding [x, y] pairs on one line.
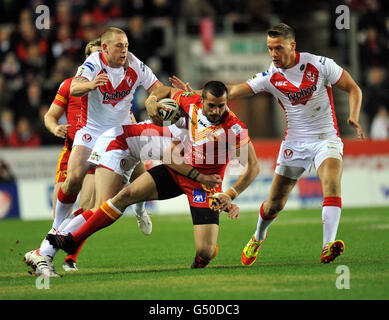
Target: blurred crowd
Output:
{"points": [[373, 38], [33, 62]]}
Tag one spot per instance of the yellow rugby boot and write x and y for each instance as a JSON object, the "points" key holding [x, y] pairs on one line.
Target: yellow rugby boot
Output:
{"points": [[331, 251], [250, 251]]}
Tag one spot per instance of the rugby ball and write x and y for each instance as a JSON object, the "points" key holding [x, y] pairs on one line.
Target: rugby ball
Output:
{"points": [[173, 112]]}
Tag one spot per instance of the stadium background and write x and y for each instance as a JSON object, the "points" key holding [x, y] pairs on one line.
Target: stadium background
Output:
{"points": [[197, 40]]}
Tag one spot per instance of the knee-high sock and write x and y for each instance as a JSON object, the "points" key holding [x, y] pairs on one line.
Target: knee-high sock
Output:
{"points": [[73, 228], [332, 207], [103, 217], [76, 223], [64, 204], [263, 224]]}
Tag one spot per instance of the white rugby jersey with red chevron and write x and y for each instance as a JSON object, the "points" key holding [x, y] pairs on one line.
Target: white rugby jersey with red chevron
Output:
{"points": [[304, 92], [109, 105]]}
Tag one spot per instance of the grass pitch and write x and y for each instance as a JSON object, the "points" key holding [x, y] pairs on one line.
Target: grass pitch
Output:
{"points": [[121, 263]]}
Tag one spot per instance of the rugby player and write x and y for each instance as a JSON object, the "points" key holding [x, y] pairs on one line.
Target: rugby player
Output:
{"points": [[213, 134]]}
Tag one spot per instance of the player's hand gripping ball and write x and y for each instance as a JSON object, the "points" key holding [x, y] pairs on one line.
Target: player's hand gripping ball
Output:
{"points": [[173, 112]]}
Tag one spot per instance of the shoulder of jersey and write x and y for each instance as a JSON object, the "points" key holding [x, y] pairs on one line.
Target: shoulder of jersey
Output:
{"points": [[92, 61], [136, 63], [191, 96], [310, 57], [66, 83], [260, 75], [232, 121]]}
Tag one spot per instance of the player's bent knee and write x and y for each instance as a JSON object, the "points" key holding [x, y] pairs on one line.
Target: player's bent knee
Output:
{"points": [[75, 178]]}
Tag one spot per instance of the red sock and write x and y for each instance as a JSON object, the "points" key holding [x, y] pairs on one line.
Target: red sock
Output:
{"points": [[263, 216], [78, 212], [103, 217], [87, 214], [66, 198]]}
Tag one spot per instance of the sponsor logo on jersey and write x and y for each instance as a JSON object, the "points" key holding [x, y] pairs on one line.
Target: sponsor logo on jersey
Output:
{"points": [[188, 94], [288, 154], [90, 66], [94, 156], [301, 94], [80, 71], [211, 136], [202, 122], [87, 138], [199, 196], [123, 163], [252, 78], [113, 96], [236, 128], [310, 76]]}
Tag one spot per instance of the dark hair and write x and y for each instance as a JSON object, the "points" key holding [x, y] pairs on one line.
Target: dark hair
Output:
{"points": [[216, 88], [281, 30]]}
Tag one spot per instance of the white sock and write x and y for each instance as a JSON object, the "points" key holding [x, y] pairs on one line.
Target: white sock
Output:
{"points": [[330, 217], [140, 207], [73, 225], [63, 207], [61, 212], [262, 225], [66, 222], [47, 249]]}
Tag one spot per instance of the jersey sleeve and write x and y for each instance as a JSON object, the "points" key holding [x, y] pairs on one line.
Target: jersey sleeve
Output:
{"points": [[258, 82], [62, 97], [146, 75], [89, 69], [331, 70], [185, 99]]}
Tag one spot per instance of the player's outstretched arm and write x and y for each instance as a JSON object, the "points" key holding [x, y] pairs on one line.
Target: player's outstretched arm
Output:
{"points": [[347, 83], [51, 121], [244, 180], [235, 91], [81, 86], [179, 84], [173, 158], [240, 90]]}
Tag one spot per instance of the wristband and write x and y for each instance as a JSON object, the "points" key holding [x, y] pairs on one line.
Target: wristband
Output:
{"points": [[232, 193], [193, 174]]}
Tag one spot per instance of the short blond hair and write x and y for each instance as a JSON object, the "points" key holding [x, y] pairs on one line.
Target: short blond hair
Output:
{"points": [[107, 34], [90, 45]]}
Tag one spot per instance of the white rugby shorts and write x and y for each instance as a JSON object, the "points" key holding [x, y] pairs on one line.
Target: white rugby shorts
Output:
{"points": [[110, 152], [296, 156], [87, 136]]}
